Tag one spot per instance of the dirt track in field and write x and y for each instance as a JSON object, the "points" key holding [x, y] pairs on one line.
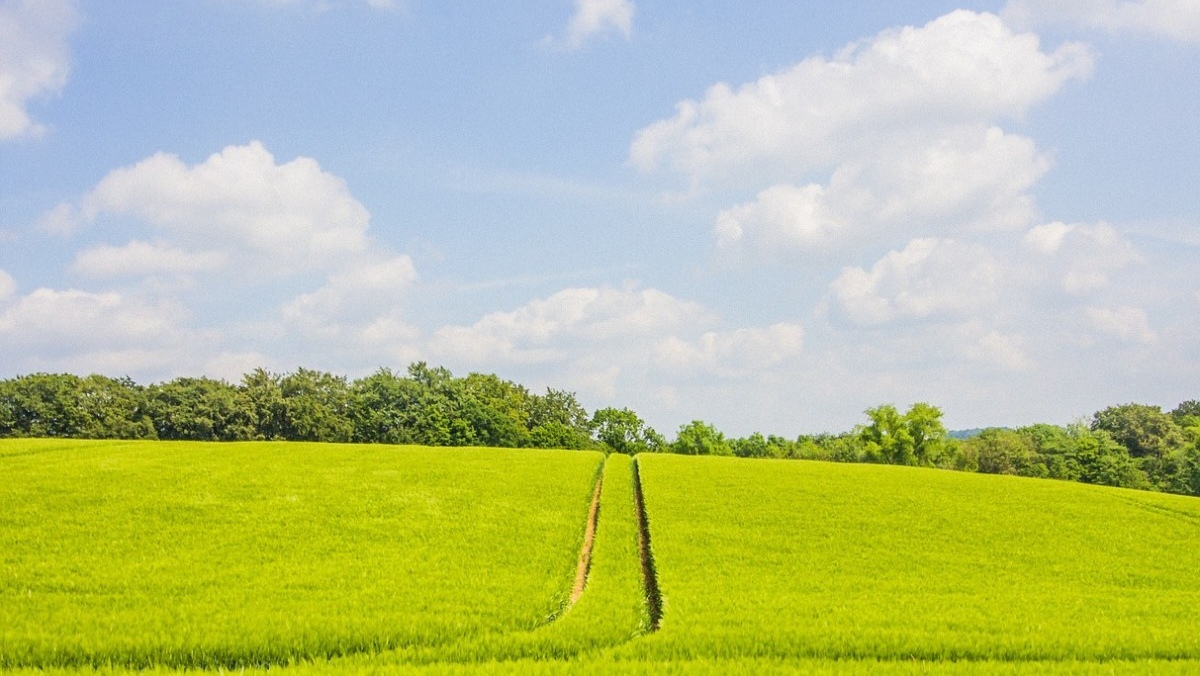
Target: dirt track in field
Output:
{"points": [[589, 539], [654, 604]]}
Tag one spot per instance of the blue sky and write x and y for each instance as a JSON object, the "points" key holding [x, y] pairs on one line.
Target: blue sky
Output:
{"points": [[769, 217]]}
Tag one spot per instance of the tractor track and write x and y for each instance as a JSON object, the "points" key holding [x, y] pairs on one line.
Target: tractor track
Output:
{"points": [[589, 541], [654, 604]]}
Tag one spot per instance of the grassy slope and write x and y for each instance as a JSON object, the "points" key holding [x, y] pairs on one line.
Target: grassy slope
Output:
{"points": [[805, 559], [611, 611], [209, 554], [784, 567]]}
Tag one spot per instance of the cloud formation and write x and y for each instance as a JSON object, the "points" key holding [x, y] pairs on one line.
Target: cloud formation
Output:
{"points": [[597, 17], [34, 59], [239, 233], [238, 207], [961, 69], [894, 137], [1176, 19], [928, 278], [549, 329], [739, 353]]}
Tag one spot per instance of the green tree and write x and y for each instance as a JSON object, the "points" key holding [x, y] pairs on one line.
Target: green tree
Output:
{"points": [[886, 437], [316, 406], [1004, 451], [499, 408], [558, 420], [263, 391], [382, 408], [1145, 430], [200, 409], [1150, 435], [622, 431], [41, 405], [753, 446], [1097, 458], [111, 408], [1187, 417], [700, 438]]}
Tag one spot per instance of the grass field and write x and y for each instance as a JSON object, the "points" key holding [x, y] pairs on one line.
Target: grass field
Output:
{"points": [[380, 560], [784, 559], [207, 554]]}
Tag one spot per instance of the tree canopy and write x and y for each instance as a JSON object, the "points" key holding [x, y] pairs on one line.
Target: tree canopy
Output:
{"points": [[1131, 445]]}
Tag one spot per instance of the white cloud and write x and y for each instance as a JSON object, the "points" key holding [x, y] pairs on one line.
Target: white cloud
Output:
{"points": [[268, 218], [549, 329], [1177, 19], [8, 286], [782, 215], [1005, 351], [53, 321], [970, 177], [34, 59], [142, 258], [231, 241], [1127, 324], [929, 278], [369, 290], [739, 353], [1081, 256], [961, 69], [595, 17]]}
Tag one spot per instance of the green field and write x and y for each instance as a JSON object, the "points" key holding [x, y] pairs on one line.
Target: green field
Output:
{"points": [[784, 559], [234, 554], [371, 559]]}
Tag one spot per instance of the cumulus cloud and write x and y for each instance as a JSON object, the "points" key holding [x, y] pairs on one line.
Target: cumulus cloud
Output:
{"points": [[738, 353], [929, 278], [596, 17], [277, 252], [276, 219], [8, 286], [1003, 350], [1081, 256], [368, 290], [968, 178], [108, 332], [893, 137], [963, 68], [547, 329], [81, 321], [1176, 19], [34, 59], [139, 258]]}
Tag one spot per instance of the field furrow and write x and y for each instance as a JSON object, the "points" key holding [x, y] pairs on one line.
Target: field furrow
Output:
{"points": [[610, 612]]}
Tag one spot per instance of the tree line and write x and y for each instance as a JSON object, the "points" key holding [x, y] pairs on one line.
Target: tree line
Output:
{"points": [[1131, 445]]}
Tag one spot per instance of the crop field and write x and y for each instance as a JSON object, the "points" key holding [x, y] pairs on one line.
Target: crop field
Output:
{"points": [[192, 554], [307, 559], [781, 559]]}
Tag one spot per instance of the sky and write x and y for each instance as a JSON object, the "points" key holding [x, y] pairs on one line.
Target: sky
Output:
{"points": [[769, 216]]}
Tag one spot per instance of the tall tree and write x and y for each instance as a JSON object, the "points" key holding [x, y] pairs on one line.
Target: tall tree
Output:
{"points": [[622, 431], [316, 406], [558, 420], [200, 409], [700, 438]]}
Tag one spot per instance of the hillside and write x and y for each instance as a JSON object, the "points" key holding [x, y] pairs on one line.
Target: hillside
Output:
{"points": [[337, 559]]}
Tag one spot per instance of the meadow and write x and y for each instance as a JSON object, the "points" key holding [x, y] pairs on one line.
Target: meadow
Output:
{"points": [[312, 559], [205, 554], [781, 559]]}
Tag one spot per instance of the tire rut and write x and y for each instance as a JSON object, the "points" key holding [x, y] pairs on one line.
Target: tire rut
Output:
{"points": [[654, 603], [589, 541]]}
